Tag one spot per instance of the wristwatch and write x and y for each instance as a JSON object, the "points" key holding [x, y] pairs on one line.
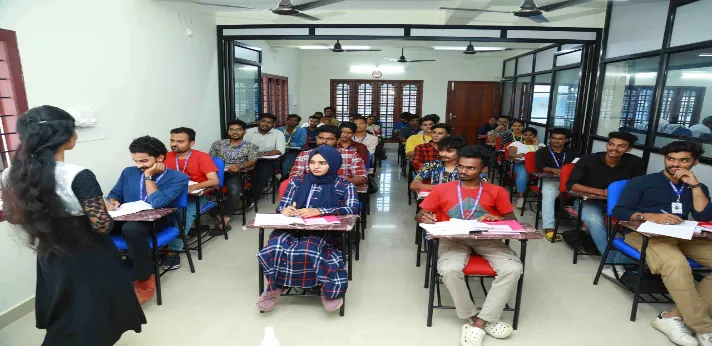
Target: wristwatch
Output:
{"points": [[145, 178], [696, 185], [639, 217]]}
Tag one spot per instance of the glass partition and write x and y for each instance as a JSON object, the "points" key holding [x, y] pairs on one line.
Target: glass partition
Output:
{"points": [[247, 92], [521, 97], [566, 91], [540, 103], [507, 96]]}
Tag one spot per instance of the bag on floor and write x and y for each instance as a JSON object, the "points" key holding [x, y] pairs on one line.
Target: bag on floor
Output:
{"points": [[649, 284], [372, 186]]}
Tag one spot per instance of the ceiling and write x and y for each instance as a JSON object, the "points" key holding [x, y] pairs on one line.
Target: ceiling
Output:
{"points": [[590, 14]]}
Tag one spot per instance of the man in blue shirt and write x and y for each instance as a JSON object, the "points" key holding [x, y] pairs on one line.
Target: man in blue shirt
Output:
{"points": [[397, 127], [296, 139], [670, 197], [151, 182]]}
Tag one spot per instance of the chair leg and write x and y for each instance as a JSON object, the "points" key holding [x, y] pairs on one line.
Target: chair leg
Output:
{"points": [[428, 259], [469, 290], [197, 229], [221, 210], [433, 272], [558, 219], [578, 230], [156, 267], [482, 284], [186, 247], [641, 267], [603, 260], [520, 285], [419, 241]]}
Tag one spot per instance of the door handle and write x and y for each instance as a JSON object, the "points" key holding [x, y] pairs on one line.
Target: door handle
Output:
{"points": [[450, 116]]}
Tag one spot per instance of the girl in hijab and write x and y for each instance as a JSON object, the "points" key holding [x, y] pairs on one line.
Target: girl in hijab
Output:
{"points": [[309, 259]]}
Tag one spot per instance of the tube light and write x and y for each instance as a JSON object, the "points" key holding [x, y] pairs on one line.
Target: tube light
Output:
{"points": [[705, 54], [371, 68]]}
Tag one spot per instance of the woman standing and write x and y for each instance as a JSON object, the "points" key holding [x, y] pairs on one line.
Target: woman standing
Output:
{"points": [[84, 297], [309, 259]]}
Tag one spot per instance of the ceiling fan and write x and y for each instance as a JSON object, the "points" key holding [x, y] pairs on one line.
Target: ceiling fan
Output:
{"points": [[337, 49], [528, 9], [470, 50], [285, 8], [403, 60]]}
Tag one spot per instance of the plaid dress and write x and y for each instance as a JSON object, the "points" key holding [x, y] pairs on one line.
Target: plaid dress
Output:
{"points": [[305, 259]]}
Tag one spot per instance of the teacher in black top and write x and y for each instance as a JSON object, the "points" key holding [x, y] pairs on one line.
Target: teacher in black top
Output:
{"points": [[84, 297]]}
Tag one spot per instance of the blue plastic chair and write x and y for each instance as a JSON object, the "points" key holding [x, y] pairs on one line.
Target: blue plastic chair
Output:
{"points": [[615, 190], [162, 238], [210, 205]]}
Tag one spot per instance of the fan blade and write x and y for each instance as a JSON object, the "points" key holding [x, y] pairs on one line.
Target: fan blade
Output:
{"points": [[389, 59], [419, 60], [539, 19], [563, 4], [315, 4], [472, 9], [304, 16], [230, 6], [362, 50]]}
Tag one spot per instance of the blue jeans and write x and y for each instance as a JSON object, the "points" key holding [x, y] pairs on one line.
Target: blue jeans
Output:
{"points": [[522, 176], [592, 216], [549, 192], [191, 212]]}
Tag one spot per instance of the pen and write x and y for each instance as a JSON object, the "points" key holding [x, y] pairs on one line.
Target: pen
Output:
{"points": [[664, 212]]}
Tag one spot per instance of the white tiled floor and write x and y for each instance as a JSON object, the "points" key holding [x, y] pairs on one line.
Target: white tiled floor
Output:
{"points": [[386, 303]]}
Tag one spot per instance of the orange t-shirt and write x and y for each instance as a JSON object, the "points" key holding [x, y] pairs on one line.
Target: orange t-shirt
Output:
{"points": [[444, 203], [198, 166]]}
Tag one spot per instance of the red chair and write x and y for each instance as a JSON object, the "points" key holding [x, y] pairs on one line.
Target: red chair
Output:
{"points": [[563, 195], [283, 187]]}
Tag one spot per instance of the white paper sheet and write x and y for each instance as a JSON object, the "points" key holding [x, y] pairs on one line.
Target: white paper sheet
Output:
{"points": [[682, 231], [277, 220], [130, 208], [462, 227], [444, 229]]}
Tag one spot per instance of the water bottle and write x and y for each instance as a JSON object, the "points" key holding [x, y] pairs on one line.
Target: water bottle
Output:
{"points": [[270, 339]]}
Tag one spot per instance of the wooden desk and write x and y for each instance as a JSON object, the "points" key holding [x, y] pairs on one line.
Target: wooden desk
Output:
{"points": [[432, 262], [151, 215]]}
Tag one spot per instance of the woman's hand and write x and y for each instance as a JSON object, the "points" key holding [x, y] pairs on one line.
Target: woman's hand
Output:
{"points": [[308, 212], [290, 210]]}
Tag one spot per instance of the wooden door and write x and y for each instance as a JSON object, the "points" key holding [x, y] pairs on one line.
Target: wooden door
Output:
{"points": [[469, 106]]}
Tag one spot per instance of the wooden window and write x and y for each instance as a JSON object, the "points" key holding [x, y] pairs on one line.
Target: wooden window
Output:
{"points": [[13, 99], [276, 96], [385, 99]]}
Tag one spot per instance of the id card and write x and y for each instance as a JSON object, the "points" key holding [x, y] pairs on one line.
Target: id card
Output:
{"points": [[676, 208]]}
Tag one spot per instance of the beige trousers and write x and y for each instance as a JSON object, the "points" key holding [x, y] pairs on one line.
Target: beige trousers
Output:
{"points": [[452, 259]]}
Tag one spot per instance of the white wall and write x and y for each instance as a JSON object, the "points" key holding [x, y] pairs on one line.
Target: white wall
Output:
{"points": [[129, 60], [318, 68]]}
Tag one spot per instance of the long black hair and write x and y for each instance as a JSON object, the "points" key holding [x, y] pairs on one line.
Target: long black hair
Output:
{"points": [[30, 198]]}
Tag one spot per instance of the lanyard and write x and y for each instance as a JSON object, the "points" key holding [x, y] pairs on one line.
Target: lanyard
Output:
{"points": [[677, 192], [530, 147], [140, 187], [424, 141], [311, 193], [459, 197], [290, 137], [563, 159], [362, 139], [230, 158], [185, 164]]}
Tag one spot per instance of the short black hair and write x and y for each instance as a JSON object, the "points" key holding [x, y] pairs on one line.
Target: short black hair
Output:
{"points": [[626, 136], [237, 122], [318, 114], [530, 129], [475, 152], [294, 116], [683, 146], [493, 116], [452, 142], [269, 116], [435, 117], [359, 117], [372, 116], [429, 117], [348, 124], [406, 115], [149, 145], [187, 130], [315, 117], [504, 117], [707, 120], [560, 131], [329, 129], [329, 107], [446, 127], [518, 121]]}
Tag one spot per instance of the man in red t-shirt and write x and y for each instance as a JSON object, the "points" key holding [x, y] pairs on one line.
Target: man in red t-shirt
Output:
{"points": [[492, 203], [202, 172]]}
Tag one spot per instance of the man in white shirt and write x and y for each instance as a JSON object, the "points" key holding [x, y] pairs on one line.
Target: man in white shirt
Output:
{"points": [[363, 137], [271, 142]]}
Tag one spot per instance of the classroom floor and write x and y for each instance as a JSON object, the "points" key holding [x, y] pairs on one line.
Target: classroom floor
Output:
{"points": [[386, 302]]}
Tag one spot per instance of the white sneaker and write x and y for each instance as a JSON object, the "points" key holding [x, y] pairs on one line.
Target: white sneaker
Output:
{"points": [[609, 274], [705, 339], [520, 203], [471, 336], [675, 329], [499, 330]]}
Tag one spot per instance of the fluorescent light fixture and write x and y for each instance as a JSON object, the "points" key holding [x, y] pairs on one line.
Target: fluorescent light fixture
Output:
{"points": [[327, 47], [371, 68], [637, 75], [248, 68], [705, 54], [478, 49], [697, 75]]}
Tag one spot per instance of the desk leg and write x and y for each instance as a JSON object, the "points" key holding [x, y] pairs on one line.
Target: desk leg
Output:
{"points": [[428, 257], [156, 267], [539, 199], [356, 240], [346, 249], [520, 284], [244, 199], [420, 242], [578, 230], [198, 229], [261, 279], [274, 187], [433, 272], [641, 267]]}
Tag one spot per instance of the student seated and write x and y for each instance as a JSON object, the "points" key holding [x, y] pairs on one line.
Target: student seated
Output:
{"points": [[346, 140], [470, 199], [373, 126], [403, 123], [482, 133], [519, 149], [238, 155], [294, 137], [202, 172], [352, 167], [592, 174], [502, 131], [551, 159], [670, 197], [440, 171], [363, 137], [311, 126], [412, 128], [309, 259], [426, 125], [329, 117], [316, 115], [427, 152], [271, 142], [151, 182]]}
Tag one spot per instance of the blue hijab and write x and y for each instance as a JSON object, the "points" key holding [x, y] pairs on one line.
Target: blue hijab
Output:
{"points": [[327, 198]]}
